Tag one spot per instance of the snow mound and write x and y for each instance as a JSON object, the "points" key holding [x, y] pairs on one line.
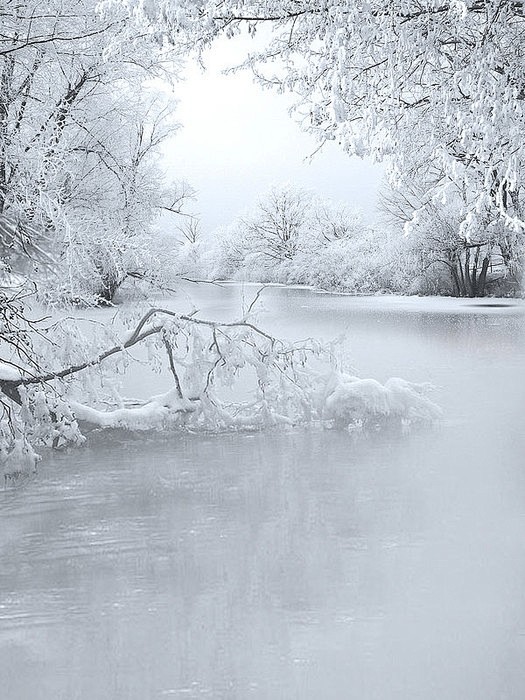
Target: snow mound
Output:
{"points": [[354, 400], [20, 461], [9, 372]]}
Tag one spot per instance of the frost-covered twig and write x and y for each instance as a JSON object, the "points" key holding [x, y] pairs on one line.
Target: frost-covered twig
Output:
{"points": [[255, 300], [169, 351]]}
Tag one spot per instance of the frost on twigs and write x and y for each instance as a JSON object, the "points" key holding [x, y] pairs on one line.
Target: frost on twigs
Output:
{"points": [[219, 376]]}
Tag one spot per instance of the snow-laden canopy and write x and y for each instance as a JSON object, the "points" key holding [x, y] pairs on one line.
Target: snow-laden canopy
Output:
{"points": [[433, 87]]}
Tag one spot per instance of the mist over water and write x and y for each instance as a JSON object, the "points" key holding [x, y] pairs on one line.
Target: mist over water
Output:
{"points": [[298, 564]]}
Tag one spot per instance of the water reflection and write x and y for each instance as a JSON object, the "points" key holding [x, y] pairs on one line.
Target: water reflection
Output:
{"points": [[298, 564]]}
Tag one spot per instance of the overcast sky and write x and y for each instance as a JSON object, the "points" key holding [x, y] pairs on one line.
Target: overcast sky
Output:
{"points": [[238, 139]]}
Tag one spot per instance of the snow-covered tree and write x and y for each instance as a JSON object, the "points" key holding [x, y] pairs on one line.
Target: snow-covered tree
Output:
{"points": [[104, 228], [489, 261], [79, 138], [285, 230], [409, 81], [277, 228]]}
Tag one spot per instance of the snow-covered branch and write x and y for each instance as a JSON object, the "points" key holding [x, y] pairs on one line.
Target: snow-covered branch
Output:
{"points": [[226, 375]]}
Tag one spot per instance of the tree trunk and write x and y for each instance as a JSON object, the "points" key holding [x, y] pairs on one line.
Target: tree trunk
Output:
{"points": [[110, 284], [482, 279], [468, 281], [462, 285]]}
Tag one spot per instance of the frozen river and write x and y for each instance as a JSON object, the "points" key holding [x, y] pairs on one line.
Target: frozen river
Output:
{"points": [[295, 565]]}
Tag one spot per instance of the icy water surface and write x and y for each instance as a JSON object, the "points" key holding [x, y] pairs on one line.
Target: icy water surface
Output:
{"points": [[304, 565]]}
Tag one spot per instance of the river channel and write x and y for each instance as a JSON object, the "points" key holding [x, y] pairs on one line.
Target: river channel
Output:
{"points": [[300, 564]]}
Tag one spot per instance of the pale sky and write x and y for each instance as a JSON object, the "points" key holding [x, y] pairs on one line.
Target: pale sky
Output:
{"points": [[238, 139]]}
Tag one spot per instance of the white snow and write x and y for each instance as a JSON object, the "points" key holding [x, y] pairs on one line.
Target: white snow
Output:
{"points": [[9, 372], [151, 414], [355, 399]]}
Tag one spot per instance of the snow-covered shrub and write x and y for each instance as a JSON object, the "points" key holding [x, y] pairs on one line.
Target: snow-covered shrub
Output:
{"points": [[225, 254], [366, 263]]}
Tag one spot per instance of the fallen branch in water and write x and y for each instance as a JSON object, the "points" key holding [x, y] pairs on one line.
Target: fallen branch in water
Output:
{"points": [[201, 353], [280, 384]]}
